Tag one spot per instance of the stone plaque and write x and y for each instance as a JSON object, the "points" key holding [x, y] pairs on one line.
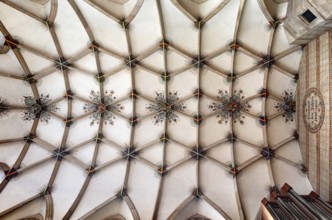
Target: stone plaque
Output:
{"points": [[313, 110]]}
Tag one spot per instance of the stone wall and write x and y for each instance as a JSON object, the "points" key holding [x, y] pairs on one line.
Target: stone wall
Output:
{"points": [[315, 138], [299, 30]]}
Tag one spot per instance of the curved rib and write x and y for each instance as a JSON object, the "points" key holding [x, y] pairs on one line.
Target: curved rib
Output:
{"points": [[85, 216], [54, 10], [215, 11], [216, 207], [101, 10], [132, 207], [6, 141], [135, 11], [236, 31], [78, 199], [24, 11], [265, 11], [20, 158], [181, 207], [82, 19], [19, 58], [49, 207], [21, 204], [184, 11], [4, 167]]}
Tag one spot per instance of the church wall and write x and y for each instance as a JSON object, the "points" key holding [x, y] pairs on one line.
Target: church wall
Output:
{"points": [[314, 114]]}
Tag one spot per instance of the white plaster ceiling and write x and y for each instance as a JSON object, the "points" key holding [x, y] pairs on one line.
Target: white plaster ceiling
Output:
{"points": [[132, 162]]}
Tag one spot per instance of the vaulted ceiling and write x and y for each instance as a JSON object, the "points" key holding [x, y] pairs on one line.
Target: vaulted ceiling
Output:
{"points": [[155, 109]]}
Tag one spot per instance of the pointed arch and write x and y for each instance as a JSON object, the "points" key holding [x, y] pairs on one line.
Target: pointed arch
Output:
{"points": [[191, 198], [33, 217], [115, 217], [198, 217]]}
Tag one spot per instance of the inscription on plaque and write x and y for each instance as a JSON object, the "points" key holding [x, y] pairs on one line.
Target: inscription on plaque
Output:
{"points": [[313, 110]]}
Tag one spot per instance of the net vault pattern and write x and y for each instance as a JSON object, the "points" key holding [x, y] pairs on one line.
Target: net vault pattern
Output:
{"points": [[154, 130]]}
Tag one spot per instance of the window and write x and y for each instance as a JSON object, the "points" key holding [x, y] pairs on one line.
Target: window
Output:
{"points": [[308, 16]]}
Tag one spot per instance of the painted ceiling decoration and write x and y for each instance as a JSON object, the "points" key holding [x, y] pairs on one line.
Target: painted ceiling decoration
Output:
{"points": [[38, 108], [288, 106], [145, 109], [3, 108], [230, 107], [166, 107], [102, 106]]}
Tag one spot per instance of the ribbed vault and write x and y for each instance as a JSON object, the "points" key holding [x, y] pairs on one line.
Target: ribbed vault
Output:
{"points": [[155, 109]]}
